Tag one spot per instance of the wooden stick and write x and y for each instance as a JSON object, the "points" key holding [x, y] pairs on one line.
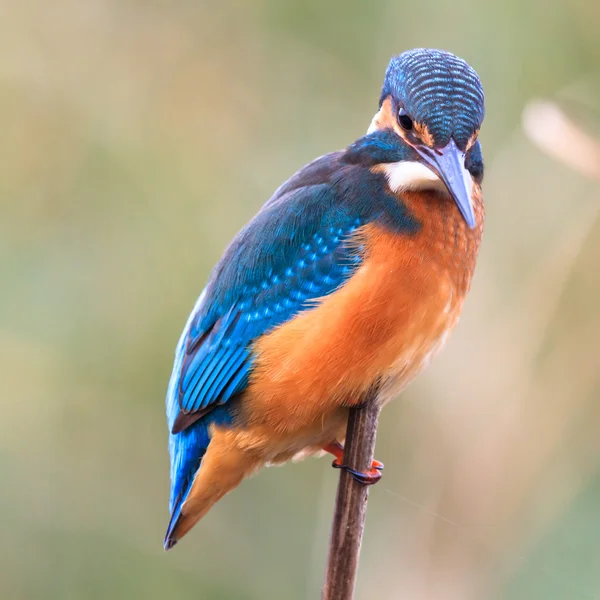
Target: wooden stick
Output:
{"points": [[351, 503]]}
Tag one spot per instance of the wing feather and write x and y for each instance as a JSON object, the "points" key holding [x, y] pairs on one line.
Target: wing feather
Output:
{"points": [[308, 261]]}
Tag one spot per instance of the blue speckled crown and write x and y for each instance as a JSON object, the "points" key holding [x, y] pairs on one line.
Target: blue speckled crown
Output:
{"points": [[439, 89]]}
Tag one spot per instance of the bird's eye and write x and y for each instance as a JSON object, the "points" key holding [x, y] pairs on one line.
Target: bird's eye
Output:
{"points": [[404, 120]]}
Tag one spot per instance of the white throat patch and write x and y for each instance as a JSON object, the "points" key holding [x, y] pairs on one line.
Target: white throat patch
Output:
{"points": [[408, 175]]}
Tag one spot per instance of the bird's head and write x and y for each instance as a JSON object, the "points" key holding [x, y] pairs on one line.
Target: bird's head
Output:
{"points": [[431, 109]]}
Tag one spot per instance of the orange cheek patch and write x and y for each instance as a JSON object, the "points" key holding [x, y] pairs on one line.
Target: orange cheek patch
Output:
{"points": [[386, 119]]}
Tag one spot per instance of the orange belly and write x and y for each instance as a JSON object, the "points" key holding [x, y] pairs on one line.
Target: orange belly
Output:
{"points": [[383, 325]]}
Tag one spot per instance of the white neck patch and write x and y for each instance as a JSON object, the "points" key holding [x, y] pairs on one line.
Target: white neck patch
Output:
{"points": [[408, 175]]}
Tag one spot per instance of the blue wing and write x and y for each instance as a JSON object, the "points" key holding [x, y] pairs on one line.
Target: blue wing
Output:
{"points": [[217, 358], [295, 250]]}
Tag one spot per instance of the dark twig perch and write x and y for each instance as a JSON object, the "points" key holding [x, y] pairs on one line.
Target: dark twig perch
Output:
{"points": [[351, 503]]}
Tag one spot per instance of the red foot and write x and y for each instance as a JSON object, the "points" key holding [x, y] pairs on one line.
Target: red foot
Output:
{"points": [[373, 475]]}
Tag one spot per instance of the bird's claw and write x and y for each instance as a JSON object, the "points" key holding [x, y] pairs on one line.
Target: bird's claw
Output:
{"points": [[370, 477]]}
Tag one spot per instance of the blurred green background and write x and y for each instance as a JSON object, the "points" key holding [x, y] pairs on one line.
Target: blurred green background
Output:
{"points": [[136, 138]]}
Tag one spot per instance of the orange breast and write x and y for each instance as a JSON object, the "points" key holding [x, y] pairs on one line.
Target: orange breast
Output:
{"points": [[385, 322]]}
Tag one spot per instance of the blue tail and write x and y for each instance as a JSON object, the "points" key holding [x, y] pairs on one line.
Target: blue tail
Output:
{"points": [[170, 539], [186, 449], [188, 446]]}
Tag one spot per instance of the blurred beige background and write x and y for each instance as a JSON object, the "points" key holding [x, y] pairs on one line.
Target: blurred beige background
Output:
{"points": [[136, 138]]}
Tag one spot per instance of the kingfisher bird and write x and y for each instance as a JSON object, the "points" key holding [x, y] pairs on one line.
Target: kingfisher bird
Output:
{"points": [[350, 277]]}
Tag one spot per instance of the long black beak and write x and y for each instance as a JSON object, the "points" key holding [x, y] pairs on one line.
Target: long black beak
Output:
{"points": [[449, 165]]}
